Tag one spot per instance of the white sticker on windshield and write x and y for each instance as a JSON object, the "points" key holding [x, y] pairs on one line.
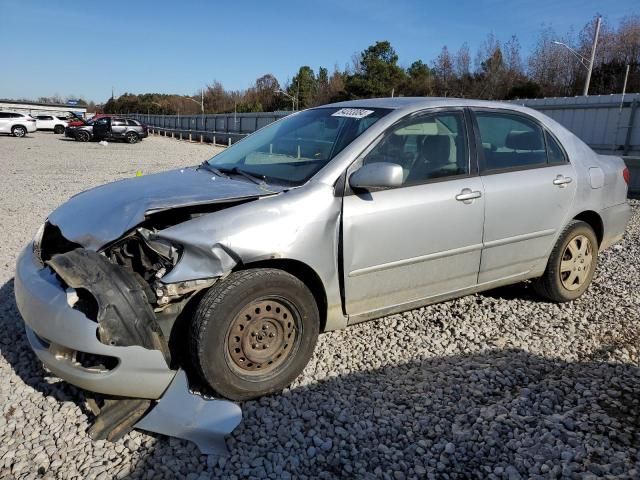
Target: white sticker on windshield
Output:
{"points": [[352, 113]]}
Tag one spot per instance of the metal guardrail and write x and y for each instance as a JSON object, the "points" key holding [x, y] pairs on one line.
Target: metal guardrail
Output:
{"points": [[607, 123], [213, 128]]}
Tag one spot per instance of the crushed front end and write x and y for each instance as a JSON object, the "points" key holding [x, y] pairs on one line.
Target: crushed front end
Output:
{"points": [[102, 321]]}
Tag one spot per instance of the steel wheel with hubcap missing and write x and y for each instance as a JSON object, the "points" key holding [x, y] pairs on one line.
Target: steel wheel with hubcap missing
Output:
{"points": [[571, 264], [253, 332], [262, 337]]}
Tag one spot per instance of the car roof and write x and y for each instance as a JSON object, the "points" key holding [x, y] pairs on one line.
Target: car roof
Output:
{"points": [[421, 103]]}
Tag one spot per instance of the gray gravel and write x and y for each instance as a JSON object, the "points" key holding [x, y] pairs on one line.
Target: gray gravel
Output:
{"points": [[497, 385]]}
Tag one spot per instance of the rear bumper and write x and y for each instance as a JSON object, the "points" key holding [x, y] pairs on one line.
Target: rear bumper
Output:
{"points": [[31, 127], [57, 333], [615, 220]]}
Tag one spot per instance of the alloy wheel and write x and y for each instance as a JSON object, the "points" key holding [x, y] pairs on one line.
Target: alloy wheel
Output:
{"points": [[576, 262]]}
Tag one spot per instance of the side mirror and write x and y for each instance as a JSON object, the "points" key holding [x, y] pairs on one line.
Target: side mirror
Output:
{"points": [[377, 175]]}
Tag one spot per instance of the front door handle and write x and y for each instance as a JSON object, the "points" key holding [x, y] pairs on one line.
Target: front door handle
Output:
{"points": [[467, 195], [562, 181]]}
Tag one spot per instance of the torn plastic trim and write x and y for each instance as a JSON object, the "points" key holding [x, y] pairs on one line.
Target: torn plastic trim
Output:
{"points": [[178, 413], [183, 414], [124, 315]]}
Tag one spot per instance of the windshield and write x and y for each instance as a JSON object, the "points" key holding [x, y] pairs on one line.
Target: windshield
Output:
{"points": [[294, 149]]}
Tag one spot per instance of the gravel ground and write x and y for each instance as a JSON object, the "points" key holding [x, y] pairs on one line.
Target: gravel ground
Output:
{"points": [[496, 385]]}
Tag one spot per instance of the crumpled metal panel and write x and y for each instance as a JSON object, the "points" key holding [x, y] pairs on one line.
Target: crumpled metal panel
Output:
{"points": [[180, 413], [102, 214]]}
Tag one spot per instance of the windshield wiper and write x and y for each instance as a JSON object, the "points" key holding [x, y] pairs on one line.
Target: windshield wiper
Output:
{"points": [[207, 166], [257, 179]]}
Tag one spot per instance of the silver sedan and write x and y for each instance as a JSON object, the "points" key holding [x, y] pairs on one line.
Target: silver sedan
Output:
{"points": [[328, 217]]}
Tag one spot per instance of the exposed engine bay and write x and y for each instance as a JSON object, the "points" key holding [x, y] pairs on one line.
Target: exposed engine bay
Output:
{"points": [[149, 259]]}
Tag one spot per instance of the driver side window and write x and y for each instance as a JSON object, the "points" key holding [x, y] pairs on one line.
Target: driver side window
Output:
{"points": [[427, 147]]}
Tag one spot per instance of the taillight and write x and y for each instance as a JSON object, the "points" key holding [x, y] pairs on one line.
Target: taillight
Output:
{"points": [[626, 175]]}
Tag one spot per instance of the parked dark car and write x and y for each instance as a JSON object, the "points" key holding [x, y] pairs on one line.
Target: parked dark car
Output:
{"points": [[78, 121], [109, 128]]}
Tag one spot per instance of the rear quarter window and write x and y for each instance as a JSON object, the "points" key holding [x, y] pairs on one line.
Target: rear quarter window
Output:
{"points": [[555, 153]]}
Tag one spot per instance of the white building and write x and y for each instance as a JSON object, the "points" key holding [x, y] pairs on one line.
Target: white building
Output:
{"points": [[33, 108]]}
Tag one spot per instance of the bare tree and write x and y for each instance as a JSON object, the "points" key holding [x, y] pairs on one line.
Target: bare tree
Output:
{"points": [[444, 72]]}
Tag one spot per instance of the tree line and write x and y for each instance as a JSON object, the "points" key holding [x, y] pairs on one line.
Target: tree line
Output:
{"points": [[496, 71]]}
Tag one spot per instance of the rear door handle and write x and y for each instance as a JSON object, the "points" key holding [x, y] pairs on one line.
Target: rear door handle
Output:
{"points": [[466, 195], [561, 180]]}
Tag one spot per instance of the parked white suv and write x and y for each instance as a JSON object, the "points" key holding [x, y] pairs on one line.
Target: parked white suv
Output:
{"points": [[50, 122], [17, 124]]}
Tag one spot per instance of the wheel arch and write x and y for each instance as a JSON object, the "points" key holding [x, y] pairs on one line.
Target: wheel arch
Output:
{"points": [[19, 125], [302, 272], [594, 220]]}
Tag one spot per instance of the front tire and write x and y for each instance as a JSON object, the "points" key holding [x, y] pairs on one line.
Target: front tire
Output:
{"points": [[83, 136], [58, 129], [19, 131], [253, 333], [571, 265]]}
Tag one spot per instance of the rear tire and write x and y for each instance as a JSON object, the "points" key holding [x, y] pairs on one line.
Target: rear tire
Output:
{"points": [[83, 136], [58, 129], [253, 333], [19, 131], [571, 264], [132, 137]]}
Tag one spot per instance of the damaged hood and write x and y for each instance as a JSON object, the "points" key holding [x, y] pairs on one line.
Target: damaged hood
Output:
{"points": [[98, 216]]}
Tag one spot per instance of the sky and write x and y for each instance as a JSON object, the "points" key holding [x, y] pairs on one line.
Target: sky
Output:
{"points": [[83, 48]]}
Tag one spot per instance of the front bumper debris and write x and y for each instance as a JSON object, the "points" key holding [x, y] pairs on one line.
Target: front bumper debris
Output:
{"points": [[180, 413], [123, 313], [62, 331]]}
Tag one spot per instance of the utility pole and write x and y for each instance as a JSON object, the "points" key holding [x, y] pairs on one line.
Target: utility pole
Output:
{"points": [[202, 107], [624, 87], [593, 55]]}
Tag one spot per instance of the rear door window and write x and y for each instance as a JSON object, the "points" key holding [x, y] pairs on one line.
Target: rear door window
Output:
{"points": [[510, 142]]}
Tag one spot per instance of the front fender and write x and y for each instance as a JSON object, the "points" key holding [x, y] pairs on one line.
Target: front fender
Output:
{"points": [[301, 224]]}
